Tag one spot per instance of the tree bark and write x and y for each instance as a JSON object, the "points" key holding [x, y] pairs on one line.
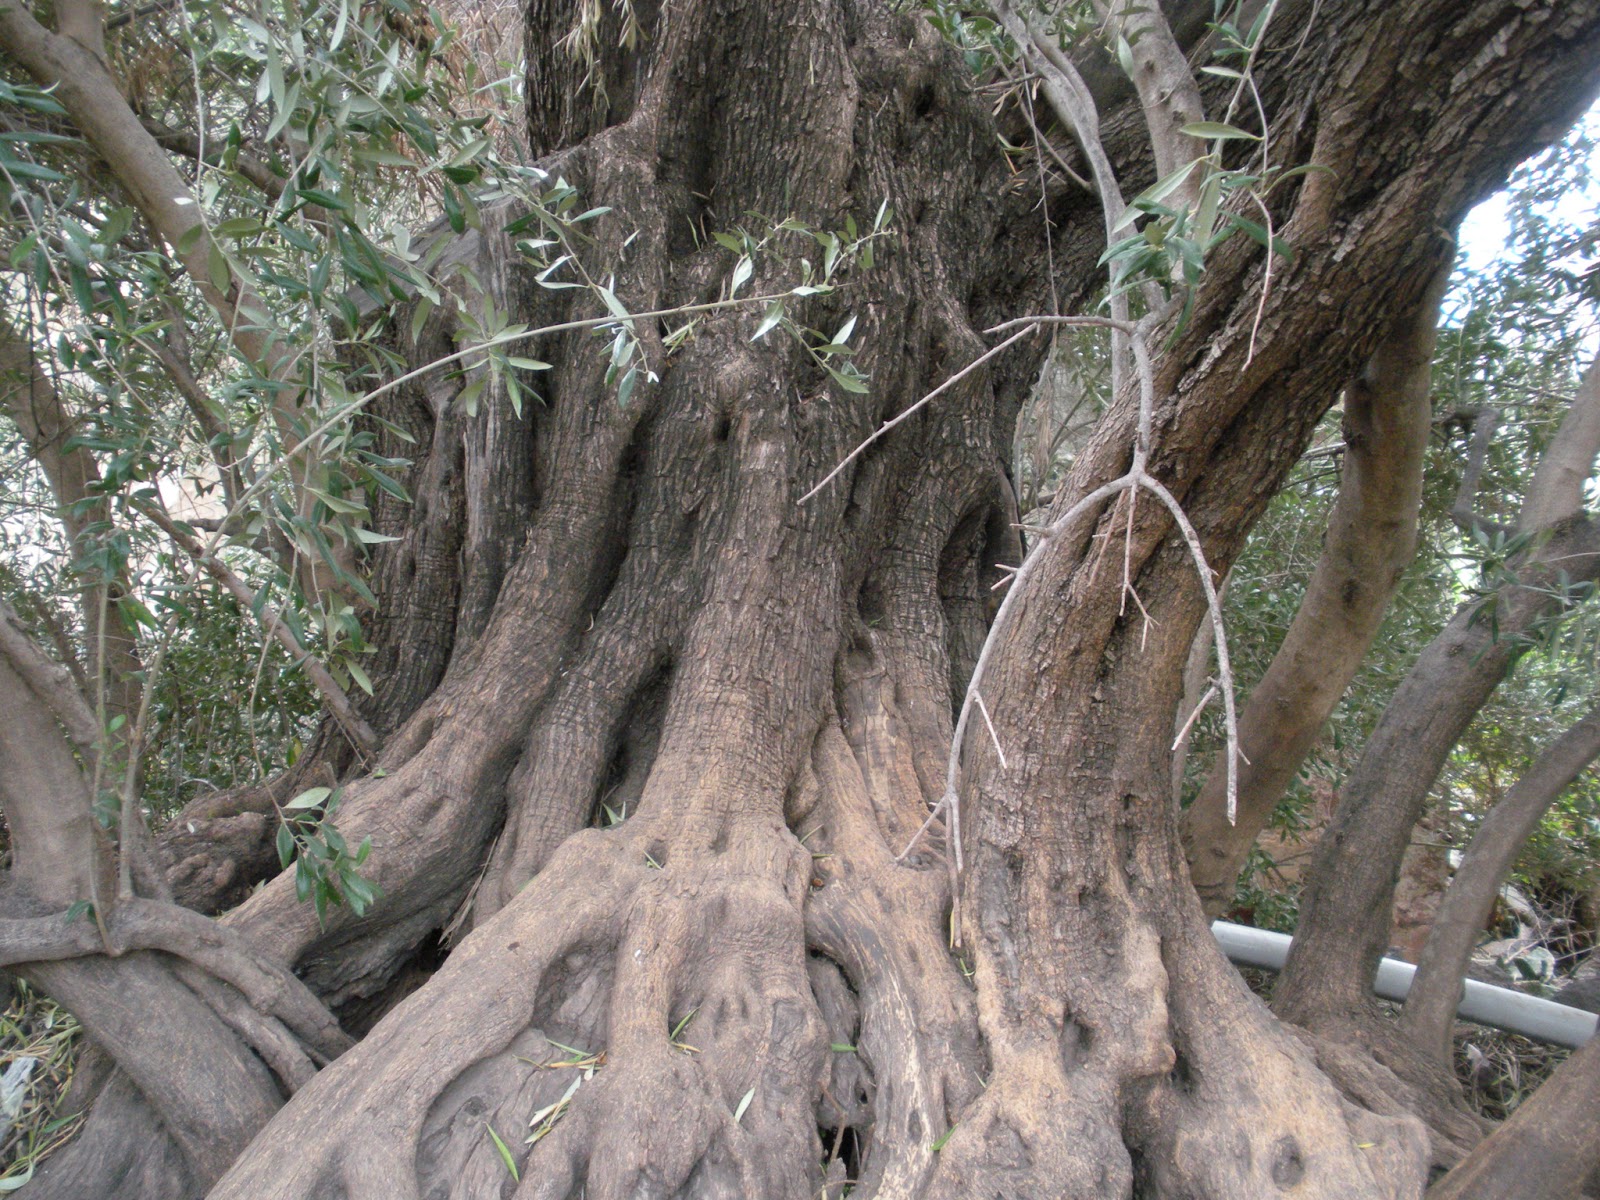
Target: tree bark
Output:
{"points": [[1429, 1013], [1345, 910], [650, 626], [1344, 921], [1371, 538], [1548, 1147]]}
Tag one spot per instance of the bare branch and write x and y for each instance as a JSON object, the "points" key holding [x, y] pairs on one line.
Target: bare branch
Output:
{"points": [[1168, 93], [1556, 492], [1214, 605], [1194, 714], [1069, 97], [994, 737], [893, 421]]}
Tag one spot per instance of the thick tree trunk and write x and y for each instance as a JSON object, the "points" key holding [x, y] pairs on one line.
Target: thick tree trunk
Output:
{"points": [[651, 626], [734, 658]]}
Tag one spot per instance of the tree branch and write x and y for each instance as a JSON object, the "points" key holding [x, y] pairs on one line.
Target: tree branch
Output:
{"points": [[1464, 510], [1546, 1148], [51, 682], [31, 399], [56, 855], [210, 151], [1371, 537], [1429, 1012], [139, 924], [1556, 492], [1166, 87]]}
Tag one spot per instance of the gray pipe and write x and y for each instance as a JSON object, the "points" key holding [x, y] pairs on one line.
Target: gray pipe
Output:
{"points": [[1483, 1003]]}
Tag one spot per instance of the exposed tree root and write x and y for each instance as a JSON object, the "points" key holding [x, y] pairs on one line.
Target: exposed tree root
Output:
{"points": [[884, 925], [1246, 1110], [672, 923], [208, 1091]]}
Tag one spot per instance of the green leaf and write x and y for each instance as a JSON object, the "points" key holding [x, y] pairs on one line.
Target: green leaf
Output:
{"points": [[285, 846], [16, 1181], [613, 305], [468, 396], [309, 798], [363, 680], [769, 321], [742, 270], [744, 1103], [274, 79], [217, 265], [1155, 193], [285, 111], [239, 227], [21, 169], [625, 388], [137, 612], [419, 316], [190, 238], [1216, 129], [453, 211], [1257, 233], [850, 383], [504, 1152], [683, 1024]]}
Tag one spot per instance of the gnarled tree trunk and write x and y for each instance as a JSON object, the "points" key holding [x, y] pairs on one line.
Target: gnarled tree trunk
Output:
{"points": [[740, 974]]}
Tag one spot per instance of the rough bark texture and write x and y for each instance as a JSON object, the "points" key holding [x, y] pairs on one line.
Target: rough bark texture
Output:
{"points": [[647, 624]]}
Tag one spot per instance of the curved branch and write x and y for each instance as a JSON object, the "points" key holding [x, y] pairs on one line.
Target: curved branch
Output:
{"points": [[1429, 1011], [1464, 509], [50, 682], [1168, 93], [1371, 538], [1556, 492], [223, 953]]}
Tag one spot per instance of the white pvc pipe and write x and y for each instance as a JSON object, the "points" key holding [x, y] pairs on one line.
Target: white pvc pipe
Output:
{"points": [[1483, 1003]]}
